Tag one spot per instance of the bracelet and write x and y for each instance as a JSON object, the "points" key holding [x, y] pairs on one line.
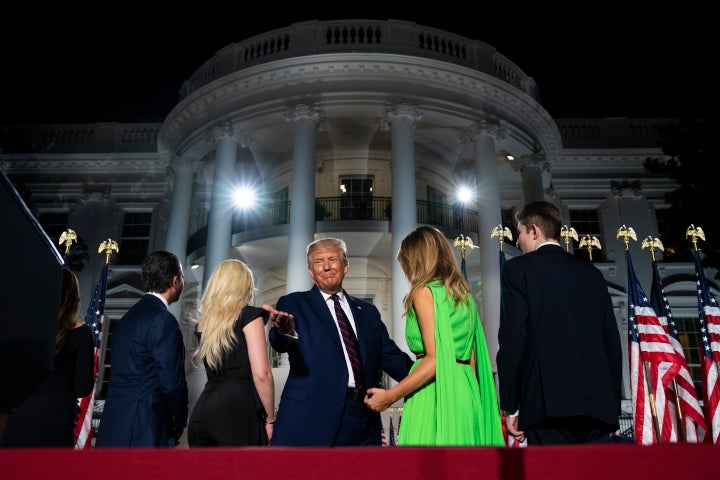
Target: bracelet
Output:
{"points": [[270, 423]]}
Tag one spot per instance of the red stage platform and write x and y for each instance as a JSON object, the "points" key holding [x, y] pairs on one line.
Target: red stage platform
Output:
{"points": [[606, 462]]}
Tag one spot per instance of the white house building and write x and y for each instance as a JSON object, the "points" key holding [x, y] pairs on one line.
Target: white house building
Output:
{"points": [[355, 129]]}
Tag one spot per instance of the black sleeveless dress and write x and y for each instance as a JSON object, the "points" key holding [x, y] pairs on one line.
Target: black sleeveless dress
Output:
{"points": [[228, 411]]}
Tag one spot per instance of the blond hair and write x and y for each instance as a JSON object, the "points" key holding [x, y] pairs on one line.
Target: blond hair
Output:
{"points": [[230, 288], [425, 255]]}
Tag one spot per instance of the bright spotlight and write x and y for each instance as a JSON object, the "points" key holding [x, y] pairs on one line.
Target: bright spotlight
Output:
{"points": [[244, 198], [465, 195]]}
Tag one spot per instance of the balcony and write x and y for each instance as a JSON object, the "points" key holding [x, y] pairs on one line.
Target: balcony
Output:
{"points": [[451, 219]]}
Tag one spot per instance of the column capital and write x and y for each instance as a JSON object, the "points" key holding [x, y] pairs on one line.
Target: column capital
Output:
{"points": [[536, 158], [300, 111], [227, 130], [414, 112], [482, 127]]}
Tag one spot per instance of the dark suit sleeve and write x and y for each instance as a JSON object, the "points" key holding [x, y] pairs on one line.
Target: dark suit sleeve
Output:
{"points": [[84, 363], [394, 361], [282, 343], [168, 350], [512, 335]]}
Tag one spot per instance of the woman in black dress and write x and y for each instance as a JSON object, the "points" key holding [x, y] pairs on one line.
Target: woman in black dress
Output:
{"points": [[47, 417], [236, 407]]}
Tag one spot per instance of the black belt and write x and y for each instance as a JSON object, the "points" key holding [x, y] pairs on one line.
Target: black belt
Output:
{"points": [[355, 394], [457, 360]]}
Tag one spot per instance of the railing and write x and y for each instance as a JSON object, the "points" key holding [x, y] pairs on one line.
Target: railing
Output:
{"points": [[345, 36], [452, 218]]}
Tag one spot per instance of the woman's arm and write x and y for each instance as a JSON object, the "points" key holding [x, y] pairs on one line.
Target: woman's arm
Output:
{"points": [[377, 398], [261, 371]]}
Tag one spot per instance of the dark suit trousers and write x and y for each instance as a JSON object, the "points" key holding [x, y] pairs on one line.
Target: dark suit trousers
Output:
{"points": [[569, 430], [355, 426]]}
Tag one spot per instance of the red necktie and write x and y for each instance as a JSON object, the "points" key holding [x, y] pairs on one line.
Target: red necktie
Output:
{"points": [[351, 343]]}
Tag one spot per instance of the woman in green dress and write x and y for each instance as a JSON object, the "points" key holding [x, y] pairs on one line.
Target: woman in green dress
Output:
{"points": [[450, 396]]}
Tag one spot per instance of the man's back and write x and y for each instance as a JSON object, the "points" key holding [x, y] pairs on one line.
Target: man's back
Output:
{"points": [[147, 392], [569, 362]]}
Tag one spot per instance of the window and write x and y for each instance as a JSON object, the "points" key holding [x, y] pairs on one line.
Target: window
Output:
{"points": [[135, 237], [688, 330], [586, 222], [54, 223], [356, 197], [436, 206]]}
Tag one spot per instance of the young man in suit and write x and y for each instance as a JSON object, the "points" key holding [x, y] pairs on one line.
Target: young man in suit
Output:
{"points": [[559, 358], [322, 403], [147, 399]]}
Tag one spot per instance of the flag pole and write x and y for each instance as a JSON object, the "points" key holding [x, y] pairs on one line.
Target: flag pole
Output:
{"points": [[590, 242], [94, 319], [653, 244], [626, 233], [694, 233], [463, 242], [567, 233]]}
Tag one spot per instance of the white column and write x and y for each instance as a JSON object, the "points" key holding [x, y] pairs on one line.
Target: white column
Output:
{"points": [[483, 135], [302, 195], [531, 168], [183, 170], [219, 230], [401, 119]]}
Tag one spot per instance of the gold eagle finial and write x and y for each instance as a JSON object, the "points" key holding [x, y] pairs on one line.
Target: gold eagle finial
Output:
{"points": [[107, 246], [463, 242], [567, 233], [590, 242], [502, 233], [67, 238], [653, 244], [694, 233], [626, 233]]}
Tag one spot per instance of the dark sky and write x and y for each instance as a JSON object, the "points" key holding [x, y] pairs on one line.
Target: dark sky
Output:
{"points": [[126, 61]]}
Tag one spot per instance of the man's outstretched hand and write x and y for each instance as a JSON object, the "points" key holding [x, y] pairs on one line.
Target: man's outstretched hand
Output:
{"points": [[284, 322]]}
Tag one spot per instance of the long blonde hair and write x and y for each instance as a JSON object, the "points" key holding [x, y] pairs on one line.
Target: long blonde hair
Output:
{"points": [[230, 288], [425, 255]]}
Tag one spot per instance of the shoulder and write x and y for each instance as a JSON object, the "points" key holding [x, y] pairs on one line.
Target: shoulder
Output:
{"points": [[250, 313]]}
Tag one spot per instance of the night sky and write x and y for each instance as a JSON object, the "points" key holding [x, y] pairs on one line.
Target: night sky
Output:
{"points": [[126, 61]]}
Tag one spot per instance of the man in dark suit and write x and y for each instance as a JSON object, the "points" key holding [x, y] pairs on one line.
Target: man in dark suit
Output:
{"points": [[322, 403], [559, 358], [147, 399]]}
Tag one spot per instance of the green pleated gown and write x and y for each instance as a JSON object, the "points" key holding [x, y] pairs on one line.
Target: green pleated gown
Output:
{"points": [[457, 408]]}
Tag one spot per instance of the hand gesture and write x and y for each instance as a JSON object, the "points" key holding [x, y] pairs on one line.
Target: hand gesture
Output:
{"points": [[284, 322]]}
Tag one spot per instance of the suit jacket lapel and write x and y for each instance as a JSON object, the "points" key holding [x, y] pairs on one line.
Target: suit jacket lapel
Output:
{"points": [[322, 312]]}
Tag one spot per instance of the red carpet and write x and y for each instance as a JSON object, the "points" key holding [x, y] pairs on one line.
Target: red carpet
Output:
{"points": [[606, 462]]}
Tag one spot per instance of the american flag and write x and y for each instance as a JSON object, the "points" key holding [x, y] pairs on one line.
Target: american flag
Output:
{"points": [[693, 420], [709, 314], [383, 438], [93, 319], [391, 441], [653, 366]]}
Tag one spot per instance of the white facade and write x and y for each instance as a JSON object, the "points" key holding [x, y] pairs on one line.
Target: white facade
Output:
{"points": [[412, 111]]}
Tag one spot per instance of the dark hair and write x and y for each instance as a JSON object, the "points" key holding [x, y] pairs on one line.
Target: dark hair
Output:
{"points": [[158, 270], [543, 214], [69, 307]]}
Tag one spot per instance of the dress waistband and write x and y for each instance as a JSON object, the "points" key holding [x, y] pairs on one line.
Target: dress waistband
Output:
{"points": [[457, 360]]}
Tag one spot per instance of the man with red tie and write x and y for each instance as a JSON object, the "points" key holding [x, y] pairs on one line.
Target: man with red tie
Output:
{"points": [[337, 345]]}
